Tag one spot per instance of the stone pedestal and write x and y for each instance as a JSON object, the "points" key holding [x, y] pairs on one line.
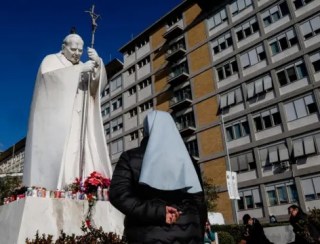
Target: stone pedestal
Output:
{"points": [[23, 218]]}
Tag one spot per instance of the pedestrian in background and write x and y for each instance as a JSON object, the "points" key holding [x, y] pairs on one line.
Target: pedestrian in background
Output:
{"points": [[254, 233], [305, 231]]}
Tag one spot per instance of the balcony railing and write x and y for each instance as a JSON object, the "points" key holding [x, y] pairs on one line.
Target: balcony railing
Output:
{"points": [[186, 127], [182, 100], [176, 53], [178, 75], [173, 32]]}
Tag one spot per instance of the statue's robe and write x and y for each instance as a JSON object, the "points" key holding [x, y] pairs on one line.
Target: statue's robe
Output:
{"points": [[52, 155]]}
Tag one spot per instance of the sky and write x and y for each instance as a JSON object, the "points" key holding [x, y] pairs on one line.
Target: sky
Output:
{"points": [[32, 29]]}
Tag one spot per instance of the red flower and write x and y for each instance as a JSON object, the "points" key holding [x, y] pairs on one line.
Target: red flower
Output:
{"points": [[106, 182], [90, 197], [88, 223], [94, 181]]}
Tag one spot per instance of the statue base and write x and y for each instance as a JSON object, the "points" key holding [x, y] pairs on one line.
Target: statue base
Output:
{"points": [[23, 218]]}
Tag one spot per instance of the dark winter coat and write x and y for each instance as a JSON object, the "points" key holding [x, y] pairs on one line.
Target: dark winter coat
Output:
{"points": [[254, 233], [305, 231], [144, 207]]}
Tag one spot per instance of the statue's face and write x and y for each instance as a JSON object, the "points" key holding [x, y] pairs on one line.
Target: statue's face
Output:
{"points": [[73, 49]]}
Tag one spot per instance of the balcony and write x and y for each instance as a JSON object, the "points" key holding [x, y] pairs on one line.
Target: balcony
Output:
{"points": [[182, 101], [178, 76], [186, 128], [173, 32], [175, 53]]}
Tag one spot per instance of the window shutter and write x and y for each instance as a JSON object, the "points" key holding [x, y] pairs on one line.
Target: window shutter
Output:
{"points": [[243, 165], [267, 82], [234, 164], [298, 148], [308, 143], [283, 152], [273, 155]]}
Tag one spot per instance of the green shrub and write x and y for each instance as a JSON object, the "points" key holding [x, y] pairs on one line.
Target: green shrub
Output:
{"points": [[314, 217], [225, 238], [234, 230], [90, 236]]}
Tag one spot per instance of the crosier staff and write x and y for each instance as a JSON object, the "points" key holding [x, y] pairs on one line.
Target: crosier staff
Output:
{"points": [[94, 24], [85, 104]]}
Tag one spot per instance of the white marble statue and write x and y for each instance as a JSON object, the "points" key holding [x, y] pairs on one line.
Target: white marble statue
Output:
{"points": [[55, 136]]}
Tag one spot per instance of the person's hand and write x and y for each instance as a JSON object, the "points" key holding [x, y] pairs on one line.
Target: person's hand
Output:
{"points": [[208, 226], [88, 66], [172, 215], [93, 55]]}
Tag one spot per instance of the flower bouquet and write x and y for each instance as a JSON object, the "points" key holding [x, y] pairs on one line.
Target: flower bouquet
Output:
{"points": [[95, 187]]}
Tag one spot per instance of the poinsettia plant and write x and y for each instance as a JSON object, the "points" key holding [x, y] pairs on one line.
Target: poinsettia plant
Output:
{"points": [[94, 181], [90, 188]]}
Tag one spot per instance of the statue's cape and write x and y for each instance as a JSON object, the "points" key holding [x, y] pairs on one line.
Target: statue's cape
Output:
{"points": [[51, 122]]}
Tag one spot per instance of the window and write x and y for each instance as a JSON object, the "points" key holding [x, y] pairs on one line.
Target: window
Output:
{"points": [[311, 27], [300, 3], [247, 29], [283, 42], [292, 73], [105, 110], [133, 113], [253, 57], [307, 145], [237, 130], [300, 108], [239, 5], [222, 43], [311, 188], [130, 51], [143, 62], [131, 70], [243, 162], [274, 155], [116, 124], [192, 147], [174, 20], [116, 83], [267, 119], [315, 60], [231, 98], [116, 103], [145, 106], [217, 19], [117, 146], [259, 86], [282, 193], [105, 92], [132, 91], [185, 120], [143, 84], [142, 43], [249, 198], [133, 136], [275, 13], [107, 129], [228, 69]]}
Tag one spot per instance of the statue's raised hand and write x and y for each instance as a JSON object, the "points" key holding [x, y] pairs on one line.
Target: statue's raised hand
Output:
{"points": [[93, 55], [88, 66]]}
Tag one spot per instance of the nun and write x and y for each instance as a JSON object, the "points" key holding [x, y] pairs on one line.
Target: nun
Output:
{"points": [[159, 188]]}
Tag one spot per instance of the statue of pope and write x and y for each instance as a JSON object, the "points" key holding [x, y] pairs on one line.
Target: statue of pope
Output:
{"points": [[53, 146]]}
